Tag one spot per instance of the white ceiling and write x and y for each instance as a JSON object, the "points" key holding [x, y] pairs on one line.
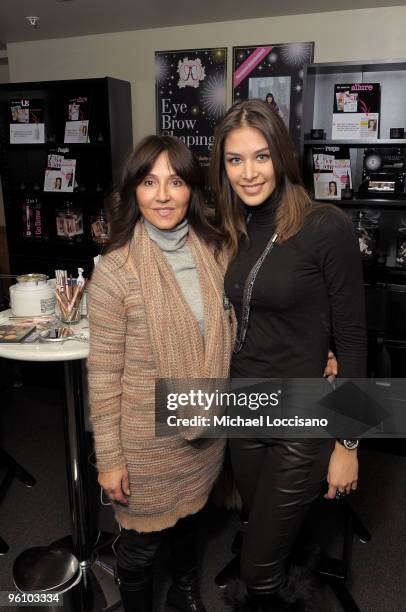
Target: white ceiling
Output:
{"points": [[62, 18]]}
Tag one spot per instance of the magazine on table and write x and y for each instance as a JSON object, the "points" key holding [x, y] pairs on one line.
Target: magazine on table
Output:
{"points": [[77, 124], [331, 171], [26, 118], [15, 333], [356, 111]]}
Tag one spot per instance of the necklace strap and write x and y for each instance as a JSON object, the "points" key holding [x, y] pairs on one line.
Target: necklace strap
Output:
{"points": [[247, 293]]}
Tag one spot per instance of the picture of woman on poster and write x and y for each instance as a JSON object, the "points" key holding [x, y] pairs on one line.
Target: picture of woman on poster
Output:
{"points": [[372, 125], [272, 103], [332, 189]]}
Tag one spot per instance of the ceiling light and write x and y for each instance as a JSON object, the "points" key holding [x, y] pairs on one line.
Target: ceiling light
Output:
{"points": [[33, 21]]}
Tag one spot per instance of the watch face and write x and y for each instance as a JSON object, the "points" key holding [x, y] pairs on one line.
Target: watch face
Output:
{"points": [[351, 444]]}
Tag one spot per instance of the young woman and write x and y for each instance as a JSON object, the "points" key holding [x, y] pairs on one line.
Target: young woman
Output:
{"points": [[295, 276], [156, 311]]}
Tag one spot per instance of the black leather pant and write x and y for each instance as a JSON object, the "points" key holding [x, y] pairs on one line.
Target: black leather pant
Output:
{"points": [[137, 551], [278, 480]]}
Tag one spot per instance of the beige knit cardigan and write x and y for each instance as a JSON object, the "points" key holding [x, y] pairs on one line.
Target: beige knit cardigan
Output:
{"points": [[169, 477]]}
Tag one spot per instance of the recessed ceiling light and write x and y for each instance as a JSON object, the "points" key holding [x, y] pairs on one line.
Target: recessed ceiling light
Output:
{"points": [[33, 21]]}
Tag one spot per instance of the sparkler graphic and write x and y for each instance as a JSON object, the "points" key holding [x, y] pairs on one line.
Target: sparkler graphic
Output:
{"points": [[295, 54], [162, 69], [213, 95]]}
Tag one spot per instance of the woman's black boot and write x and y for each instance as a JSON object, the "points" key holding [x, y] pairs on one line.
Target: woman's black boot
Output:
{"points": [[297, 594], [135, 589], [184, 594]]}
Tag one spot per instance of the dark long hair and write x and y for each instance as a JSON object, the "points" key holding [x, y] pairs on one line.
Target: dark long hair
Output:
{"points": [[294, 201], [122, 207]]}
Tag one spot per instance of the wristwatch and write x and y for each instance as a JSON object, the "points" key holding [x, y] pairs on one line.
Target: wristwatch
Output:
{"points": [[349, 444]]}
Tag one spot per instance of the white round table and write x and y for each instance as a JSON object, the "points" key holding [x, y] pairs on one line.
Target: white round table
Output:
{"points": [[46, 351], [71, 353]]}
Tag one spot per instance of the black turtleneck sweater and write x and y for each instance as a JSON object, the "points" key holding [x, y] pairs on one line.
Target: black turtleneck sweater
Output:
{"points": [[308, 288]]}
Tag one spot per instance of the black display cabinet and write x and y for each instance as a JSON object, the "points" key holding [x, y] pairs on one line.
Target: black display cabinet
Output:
{"points": [[98, 168], [385, 279]]}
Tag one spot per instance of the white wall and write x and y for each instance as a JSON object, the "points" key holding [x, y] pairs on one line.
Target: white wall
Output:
{"points": [[339, 36]]}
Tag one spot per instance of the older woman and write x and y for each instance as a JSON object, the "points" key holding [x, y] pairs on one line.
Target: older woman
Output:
{"points": [[156, 311], [295, 278]]}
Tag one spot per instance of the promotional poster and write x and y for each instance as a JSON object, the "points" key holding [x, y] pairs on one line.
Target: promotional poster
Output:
{"points": [[191, 96], [26, 118], [273, 73], [356, 111], [77, 123], [331, 171]]}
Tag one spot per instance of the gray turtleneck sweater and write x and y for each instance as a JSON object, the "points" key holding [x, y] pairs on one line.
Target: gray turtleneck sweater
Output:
{"points": [[177, 253]]}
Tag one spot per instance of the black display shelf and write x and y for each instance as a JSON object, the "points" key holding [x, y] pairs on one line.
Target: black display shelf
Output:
{"points": [[58, 195], [58, 145], [385, 270], [368, 203], [98, 162], [392, 270], [362, 143], [375, 275], [354, 66], [385, 284], [40, 247]]}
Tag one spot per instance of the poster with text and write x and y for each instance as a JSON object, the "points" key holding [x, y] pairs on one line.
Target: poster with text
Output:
{"points": [[191, 96], [273, 73], [26, 121]]}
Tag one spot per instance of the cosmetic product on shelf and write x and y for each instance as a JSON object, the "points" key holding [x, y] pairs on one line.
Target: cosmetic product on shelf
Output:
{"points": [[38, 220], [69, 223], [367, 231], [33, 219], [28, 217], [100, 227], [401, 247]]}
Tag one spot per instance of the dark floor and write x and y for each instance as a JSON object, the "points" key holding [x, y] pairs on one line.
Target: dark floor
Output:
{"points": [[32, 431]]}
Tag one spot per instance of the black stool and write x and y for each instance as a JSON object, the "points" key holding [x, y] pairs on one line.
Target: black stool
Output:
{"points": [[52, 574]]}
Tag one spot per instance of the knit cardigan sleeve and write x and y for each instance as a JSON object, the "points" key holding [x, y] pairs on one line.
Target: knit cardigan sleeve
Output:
{"points": [[108, 324]]}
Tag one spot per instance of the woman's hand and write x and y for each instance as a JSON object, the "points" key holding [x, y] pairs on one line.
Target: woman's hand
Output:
{"points": [[331, 368], [342, 471], [116, 485]]}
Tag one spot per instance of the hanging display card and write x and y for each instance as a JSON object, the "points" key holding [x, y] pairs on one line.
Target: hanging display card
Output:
{"points": [[60, 174], [26, 119], [331, 171], [77, 124], [356, 111]]}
